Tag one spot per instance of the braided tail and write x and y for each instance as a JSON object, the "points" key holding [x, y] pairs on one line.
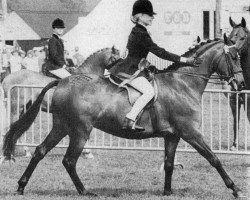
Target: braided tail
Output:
{"points": [[20, 126]]}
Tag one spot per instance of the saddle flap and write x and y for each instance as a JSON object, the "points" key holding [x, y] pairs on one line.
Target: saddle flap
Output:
{"points": [[133, 94]]}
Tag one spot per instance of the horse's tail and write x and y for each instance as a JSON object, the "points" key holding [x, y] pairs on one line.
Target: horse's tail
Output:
{"points": [[25, 121]]}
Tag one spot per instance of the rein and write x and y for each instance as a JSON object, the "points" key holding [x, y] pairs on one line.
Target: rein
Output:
{"points": [[213, 77]]}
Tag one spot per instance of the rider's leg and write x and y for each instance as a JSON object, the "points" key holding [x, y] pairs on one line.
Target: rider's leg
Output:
{"points": [[142, 85]]}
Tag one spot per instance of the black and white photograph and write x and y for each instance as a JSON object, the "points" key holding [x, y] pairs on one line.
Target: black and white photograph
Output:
{"points": [[125, 99]]}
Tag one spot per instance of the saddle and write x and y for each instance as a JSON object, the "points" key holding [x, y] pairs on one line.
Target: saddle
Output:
{"points": [[122, 80]]}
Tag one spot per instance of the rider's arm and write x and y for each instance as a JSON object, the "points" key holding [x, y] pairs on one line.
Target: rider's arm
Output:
{"points": [[158, 51], [162, 53]]}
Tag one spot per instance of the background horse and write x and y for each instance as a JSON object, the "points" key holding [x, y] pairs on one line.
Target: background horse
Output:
{"points": [[95, 63], [80, 103], [21, 101], [240, 35]]}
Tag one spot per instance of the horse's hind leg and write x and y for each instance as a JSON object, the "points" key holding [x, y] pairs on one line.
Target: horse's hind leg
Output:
{"points": [[171, 143], [76, 145], [54, 137], [195, 139]]}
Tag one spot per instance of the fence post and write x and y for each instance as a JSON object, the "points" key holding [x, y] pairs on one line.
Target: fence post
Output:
{"points": [[2, 114]]}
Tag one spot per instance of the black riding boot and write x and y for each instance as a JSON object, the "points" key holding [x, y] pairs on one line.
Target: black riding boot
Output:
{"points": [[128, 124]]}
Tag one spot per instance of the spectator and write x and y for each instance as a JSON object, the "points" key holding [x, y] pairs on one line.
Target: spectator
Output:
{"points": [[42, 58], [78, 58], [30, 62], [68, 60], [15, 62], [22, 54]]}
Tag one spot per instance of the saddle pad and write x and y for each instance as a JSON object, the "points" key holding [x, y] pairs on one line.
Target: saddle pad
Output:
{"points": [[133, 94]]}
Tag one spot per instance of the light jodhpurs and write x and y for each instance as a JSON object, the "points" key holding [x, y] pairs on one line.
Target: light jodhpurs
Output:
{"points": [[142, 85]]}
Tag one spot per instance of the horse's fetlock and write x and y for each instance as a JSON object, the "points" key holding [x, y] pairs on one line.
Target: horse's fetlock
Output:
{"points": [[22, 183]]}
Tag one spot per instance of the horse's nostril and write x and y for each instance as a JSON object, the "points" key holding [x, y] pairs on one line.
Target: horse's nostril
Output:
{"points": [[242, 86]]}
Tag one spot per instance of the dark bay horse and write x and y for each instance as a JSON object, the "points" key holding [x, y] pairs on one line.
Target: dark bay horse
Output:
{"points": [[82, 102], [240, 35]]}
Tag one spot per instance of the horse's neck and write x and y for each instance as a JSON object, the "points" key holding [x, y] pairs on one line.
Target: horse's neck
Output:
{"points": [[92, 65], [196, 78], [245, 61]]}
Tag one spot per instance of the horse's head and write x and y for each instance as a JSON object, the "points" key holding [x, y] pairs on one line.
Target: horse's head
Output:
{"points": [[230, 68], [239, 34], [97, 62], [111, 56]]}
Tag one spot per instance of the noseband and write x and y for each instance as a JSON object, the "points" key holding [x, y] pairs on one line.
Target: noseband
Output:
{"points": [[230, 66]]}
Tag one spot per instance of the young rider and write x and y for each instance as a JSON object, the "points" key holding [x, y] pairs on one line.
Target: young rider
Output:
{"points": [[139, 45]]}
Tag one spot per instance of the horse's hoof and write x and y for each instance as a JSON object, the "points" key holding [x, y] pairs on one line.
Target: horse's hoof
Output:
{"points": [[233, 148], [167, 193], [5, 158], [176, 164], [18, 192], [86, 193], [239, 195]]}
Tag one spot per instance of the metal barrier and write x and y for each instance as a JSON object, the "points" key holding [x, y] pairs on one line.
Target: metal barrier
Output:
{"points": [[216, 126], [2, 116]]}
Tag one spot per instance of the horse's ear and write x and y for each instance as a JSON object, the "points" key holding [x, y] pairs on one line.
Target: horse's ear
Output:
{"points": [[113, 49], [198, 39], [225, 39], [232, 23], [243, 22]]}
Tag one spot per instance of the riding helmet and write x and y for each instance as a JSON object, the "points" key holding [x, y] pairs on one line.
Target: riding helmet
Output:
{"points": [[58, 23], [144, 7]]}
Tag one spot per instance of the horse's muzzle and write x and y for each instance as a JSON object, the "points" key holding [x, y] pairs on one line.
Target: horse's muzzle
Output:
{"points": [[236, 86]]}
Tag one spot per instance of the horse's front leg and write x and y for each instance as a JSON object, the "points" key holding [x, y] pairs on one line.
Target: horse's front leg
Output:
{"points": [[195, 139], [171, 143], [235, 106]]}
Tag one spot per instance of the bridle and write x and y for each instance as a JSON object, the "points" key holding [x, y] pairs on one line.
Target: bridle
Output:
{"points": [[230, 66], [113, 61]]}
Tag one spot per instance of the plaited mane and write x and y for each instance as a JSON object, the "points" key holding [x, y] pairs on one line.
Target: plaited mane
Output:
{"points": [[92, 56], [199, 50]]}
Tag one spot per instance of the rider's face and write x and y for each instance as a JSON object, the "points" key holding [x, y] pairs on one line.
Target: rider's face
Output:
{"points": [[146, 19], [58, 31]]}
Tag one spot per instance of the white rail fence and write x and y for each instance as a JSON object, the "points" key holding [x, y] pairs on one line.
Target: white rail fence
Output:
{"points": [[216, 126]]}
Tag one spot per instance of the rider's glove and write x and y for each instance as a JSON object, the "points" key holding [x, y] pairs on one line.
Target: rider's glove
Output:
{"points": [[193, 61]]}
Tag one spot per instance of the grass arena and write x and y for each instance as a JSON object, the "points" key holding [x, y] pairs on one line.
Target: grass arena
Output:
{"points": [[131, 169]]}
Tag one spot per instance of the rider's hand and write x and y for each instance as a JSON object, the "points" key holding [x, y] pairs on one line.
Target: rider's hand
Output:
{"points": [[193, 61], [64, 66]]}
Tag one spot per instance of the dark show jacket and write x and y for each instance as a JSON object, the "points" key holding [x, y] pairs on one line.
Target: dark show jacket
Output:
{"points": [[56, 53], [139, 45]]}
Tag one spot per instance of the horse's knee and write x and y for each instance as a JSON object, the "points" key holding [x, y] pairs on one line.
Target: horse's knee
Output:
{"points": [[68, 162], [39, 153], [168, 167]]}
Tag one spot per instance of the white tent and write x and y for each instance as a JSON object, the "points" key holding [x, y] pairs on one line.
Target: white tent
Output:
{"points": [[15, 28], [174, 28], [108, 24]]}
